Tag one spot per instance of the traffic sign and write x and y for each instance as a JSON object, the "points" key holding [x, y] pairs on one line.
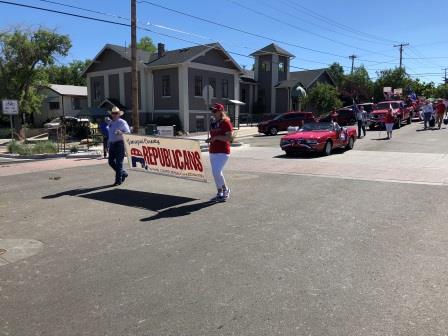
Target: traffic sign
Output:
{"points": [[10, 107]]}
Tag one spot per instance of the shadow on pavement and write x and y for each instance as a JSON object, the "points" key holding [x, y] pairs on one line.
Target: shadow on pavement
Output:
{"points": [[380, 139], [131, 198], [179, 211], [76, 192]]}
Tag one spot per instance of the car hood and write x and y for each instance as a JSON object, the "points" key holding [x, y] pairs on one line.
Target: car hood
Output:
{"points": [[307, 135], [379, 111]]}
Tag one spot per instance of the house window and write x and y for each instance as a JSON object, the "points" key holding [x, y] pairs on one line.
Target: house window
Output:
{"points": [[53, 105], [97, 91], [198, 86], [281, 66], [265, 66], [76, 103], [212, 83], [243, 95], [166, 91], [225, 88]]}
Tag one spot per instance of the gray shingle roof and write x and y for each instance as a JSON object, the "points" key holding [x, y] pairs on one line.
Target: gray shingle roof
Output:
{"points": [[179, 55], [308, 77], [69, 90], [272, 49]]}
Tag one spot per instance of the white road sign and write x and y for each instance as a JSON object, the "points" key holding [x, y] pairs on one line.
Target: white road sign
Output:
{"points": [[10, 107]]}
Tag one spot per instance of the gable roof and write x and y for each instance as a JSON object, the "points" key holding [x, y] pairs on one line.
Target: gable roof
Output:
{"points": [[272, 49], [69, 90], [171, 57], [308, 77]]}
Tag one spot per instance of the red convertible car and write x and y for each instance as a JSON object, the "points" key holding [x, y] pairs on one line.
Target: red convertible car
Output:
{"points": [[320, 137]]}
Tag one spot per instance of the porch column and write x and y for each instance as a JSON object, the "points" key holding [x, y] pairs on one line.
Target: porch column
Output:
{"points": [[184, 104], [89, 93], [121, 84], [150, 93], [106, 86]]}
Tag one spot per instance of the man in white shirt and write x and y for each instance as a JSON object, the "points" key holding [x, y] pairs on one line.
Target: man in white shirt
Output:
{"points": [[361, 117], [428, 110]]}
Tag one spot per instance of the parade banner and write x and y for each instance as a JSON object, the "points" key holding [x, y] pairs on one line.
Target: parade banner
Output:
{"points": [[166, 156]]}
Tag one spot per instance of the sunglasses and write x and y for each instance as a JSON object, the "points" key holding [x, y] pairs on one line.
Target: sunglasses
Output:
{"points": [[115, 113]]}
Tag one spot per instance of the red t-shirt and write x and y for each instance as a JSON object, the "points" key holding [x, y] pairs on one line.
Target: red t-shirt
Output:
{"points": [[440, 108], [220, 128], [389, 118]]}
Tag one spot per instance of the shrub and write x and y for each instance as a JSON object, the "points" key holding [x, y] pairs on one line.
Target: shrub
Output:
{"points": [[74, 149], [44, 147]]}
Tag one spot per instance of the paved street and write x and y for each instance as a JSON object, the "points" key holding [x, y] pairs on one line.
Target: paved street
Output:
{"points": [[352, 244]]}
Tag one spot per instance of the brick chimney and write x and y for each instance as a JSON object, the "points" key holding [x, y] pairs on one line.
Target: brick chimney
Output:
{"points": [[160, 50]]}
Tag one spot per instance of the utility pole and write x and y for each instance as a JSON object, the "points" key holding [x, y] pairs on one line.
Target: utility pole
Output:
{"points": [[445, 80], [352, 57], [401, 45], [134, 79]]}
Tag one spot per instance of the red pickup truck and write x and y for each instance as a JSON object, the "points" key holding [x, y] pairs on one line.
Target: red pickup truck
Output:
{"points": [[399, 110]]}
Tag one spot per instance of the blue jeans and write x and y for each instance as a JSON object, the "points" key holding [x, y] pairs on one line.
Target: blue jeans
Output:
{"points": [[116, 157], [427, 118]]}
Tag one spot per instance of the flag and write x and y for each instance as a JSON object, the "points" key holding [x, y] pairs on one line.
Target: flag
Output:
{"points": [[411, 94], [355, 107]]}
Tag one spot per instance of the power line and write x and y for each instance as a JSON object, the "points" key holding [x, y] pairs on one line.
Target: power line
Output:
{"points": [[241, 30], [300, 28], [128, 25], [333, 22], [331, 29]]}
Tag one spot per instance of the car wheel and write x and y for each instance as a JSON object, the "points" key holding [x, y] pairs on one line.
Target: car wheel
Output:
{"points": [[371, 127], [288, 153], [328, 148], [351, 143], [273, 131]]}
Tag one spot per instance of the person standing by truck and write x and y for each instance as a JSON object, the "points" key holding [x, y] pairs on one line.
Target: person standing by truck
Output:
{"points": [[389, 123], [361, 117]]}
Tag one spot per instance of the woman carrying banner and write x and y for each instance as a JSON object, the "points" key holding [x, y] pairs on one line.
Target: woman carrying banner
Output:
{"points": [[220, 137], [117, 127]]}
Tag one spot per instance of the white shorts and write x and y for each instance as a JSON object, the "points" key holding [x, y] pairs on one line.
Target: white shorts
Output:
{"points": [[389, 127]]}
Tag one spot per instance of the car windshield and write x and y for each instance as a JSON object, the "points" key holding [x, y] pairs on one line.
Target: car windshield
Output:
{"points": [[383, 106], [322, 126], [278, 117], [368, 107], [55, 120]]}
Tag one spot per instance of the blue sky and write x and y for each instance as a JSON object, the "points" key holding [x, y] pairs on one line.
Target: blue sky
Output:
{"points": [[367, 29]]}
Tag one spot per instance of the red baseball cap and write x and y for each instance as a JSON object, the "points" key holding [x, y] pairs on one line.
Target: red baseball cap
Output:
{"points": [[217, 107]]}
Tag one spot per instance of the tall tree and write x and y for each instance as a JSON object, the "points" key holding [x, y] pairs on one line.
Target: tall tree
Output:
{"points": [[323, 97], [146, 43], [22, 52], [337, 72], [395, 78], [357, 85], [70, 74]]}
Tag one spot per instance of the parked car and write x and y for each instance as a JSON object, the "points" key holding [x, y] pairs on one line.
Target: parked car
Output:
{"points": [[368, 107], [345, 116], [283, 121], [399, 110], [321, 137], [69, 122]]}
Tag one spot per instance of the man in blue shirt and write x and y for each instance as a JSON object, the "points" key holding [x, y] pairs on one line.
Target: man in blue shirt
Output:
{"points": [[117, 128]]}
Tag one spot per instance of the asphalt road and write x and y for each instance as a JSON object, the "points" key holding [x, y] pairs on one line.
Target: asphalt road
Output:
{"points": [[287, 255]]}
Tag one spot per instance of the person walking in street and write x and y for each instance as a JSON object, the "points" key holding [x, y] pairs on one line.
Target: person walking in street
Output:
{"points": [[104, 129], [220, 137], [117, 128], [361, 117], [389, 123], [440, 113], [427, 113]]}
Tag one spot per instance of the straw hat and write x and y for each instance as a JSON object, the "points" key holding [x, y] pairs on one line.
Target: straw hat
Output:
{"points": [[115, 110]]}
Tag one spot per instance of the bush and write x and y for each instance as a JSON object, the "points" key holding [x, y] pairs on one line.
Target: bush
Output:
{"points": [[44, 147], [74, 149]]}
